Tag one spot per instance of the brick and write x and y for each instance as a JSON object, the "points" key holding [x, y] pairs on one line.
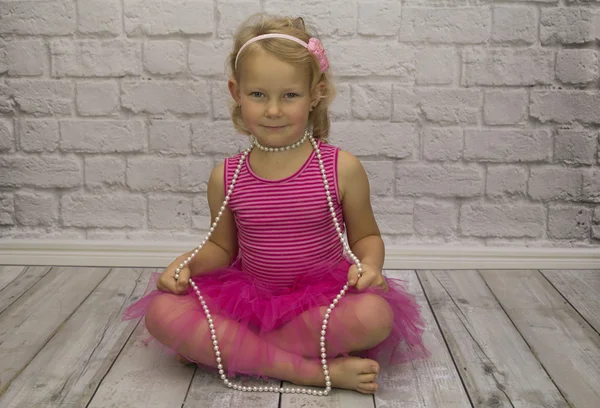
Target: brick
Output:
{"points": [[506, 181], [379, 18], [152, 174], [555, 183], [371, 101], [508, 67], [40, 171], [209, 58], [104, 172], [7, 103], [231, 13], [95, 58], [165, 57], [565, 106], [7, 209], [7, 139], [596, 223], [439, 105], [99, 17], [436, 66], [333, 17], [568, 25], [514, 24], [200, 212], [165, 96], [194, 173], [341, 107], [102, 136], [97, 98], [169, 212], [393, 215], [221, 100], [578, 66], [502, 220], [3, 57], [386, 139], [367, 58], [52, 17], [442, 144], [162, 17], [508, 146], [574, 146], [505, 107], [448, 180], [38, 97], [33, 209], [569, 222], [436, 218], [591, 185], [217, 137], [26, 57], [112, 210], [381, 176], [39, 135], [170, 137], [460, 25]]}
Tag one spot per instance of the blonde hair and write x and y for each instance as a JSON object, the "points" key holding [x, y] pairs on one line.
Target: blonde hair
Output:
{"points": [[287, 51]]}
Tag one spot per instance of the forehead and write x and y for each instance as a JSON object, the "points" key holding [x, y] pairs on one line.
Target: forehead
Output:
{"points": [[262, 68]]}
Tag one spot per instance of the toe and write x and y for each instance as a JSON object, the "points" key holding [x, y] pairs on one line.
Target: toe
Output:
{"points": [[368, 388], [367, 378]]}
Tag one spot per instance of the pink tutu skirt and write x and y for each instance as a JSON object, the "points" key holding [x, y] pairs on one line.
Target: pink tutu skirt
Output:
{"points": [[296, 312]]}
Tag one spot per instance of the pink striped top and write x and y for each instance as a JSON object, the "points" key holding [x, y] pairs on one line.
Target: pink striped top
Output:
{"points": [[285, 226]]}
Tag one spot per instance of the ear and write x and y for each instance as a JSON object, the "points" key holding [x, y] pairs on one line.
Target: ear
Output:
{"points": [[234, 90], [317, 93]]}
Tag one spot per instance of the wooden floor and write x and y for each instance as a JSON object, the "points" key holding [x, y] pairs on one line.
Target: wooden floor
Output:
{"points": [[498, 339]]}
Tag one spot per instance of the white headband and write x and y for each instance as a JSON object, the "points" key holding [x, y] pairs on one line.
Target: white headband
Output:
{"points": [[314, 46]]}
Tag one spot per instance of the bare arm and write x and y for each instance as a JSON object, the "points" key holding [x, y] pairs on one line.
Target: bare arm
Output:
{"points": [[364, 237], [222, 247]]}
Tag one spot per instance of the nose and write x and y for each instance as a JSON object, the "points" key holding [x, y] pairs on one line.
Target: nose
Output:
{"points": [[273, 109]]}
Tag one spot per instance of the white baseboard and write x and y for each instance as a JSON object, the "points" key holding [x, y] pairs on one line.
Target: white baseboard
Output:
{"points": [[160, 254]]}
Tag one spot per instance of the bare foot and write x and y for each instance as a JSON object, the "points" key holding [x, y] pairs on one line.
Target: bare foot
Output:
{"points": [[351, 373]]}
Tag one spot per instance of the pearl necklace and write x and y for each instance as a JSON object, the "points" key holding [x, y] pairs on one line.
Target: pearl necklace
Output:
{"points": [[322, 343], [283, 148]]}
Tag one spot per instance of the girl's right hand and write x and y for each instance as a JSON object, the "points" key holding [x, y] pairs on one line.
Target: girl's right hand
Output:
{"points": [[167, 282]]}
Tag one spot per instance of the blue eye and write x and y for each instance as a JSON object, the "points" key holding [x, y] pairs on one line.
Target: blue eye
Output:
{"points": [[256, 94], [291, 95]]}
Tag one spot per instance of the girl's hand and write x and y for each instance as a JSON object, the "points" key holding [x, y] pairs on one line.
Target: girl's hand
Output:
{"points": [[167, 282], [371, 277]]}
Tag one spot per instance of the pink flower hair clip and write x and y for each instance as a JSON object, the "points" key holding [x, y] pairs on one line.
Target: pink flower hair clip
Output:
{"points": [[314, 46]]}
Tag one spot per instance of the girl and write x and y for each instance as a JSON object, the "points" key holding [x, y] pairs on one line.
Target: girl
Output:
{"points": [[256, 296]]}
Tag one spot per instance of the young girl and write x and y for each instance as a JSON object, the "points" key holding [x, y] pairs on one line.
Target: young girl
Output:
{"points": [[256, 296]]}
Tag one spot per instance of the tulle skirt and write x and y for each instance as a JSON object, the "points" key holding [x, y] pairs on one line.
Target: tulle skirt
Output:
{"points": [[267, 319]]}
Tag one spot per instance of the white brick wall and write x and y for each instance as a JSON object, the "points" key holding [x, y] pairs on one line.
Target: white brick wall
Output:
{"points": [[477, 121]]}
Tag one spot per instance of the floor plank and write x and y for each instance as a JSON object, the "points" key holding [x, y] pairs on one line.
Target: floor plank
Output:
{"points": [[67, 371], [494, 361], [336, 399], [32, 320], [428, 383], [143, 376], [582, 289], [208, 391], [16, 284], [567, 347], [8, 273]]}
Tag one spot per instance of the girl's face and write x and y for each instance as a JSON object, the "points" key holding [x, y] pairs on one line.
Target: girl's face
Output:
{"points": [[275, 99]]}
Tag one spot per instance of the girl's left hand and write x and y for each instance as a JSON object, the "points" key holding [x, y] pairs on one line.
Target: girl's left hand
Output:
{"points": [[371, 277]]}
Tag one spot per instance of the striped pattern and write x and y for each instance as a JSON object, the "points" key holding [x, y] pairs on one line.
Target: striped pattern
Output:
{"points": [[284, 226]]}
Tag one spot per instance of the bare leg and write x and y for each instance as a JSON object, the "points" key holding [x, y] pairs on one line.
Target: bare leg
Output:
{"points": [[366, 319], [350, 373]]}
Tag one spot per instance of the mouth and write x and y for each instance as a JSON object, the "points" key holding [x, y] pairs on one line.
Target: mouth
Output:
{"points": [[274, 127]]}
